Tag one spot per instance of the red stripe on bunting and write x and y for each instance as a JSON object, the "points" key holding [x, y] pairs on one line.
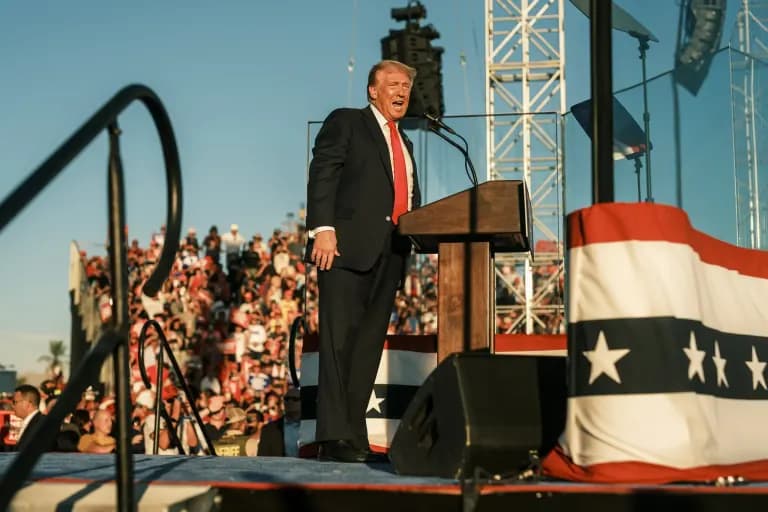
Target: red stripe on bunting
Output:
{"points": [[619, 222], [557, 464], [529, 342]]}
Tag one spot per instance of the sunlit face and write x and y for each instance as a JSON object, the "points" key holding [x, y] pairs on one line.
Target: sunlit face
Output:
{"points": [[391, 92], [102, 422], [21, 406]]}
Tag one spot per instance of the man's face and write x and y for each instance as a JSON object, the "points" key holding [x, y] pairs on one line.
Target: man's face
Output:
{"points": [[141, 411], [21, 406], [102, 422], [391, 92]]}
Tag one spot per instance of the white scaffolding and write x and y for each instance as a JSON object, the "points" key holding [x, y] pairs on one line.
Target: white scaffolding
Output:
{"points": [[750, 128], [525, 71]]}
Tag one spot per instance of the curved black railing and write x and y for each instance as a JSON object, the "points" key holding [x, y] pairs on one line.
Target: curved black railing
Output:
{"points": [[115, 339], [298, 323], [159, 410]]}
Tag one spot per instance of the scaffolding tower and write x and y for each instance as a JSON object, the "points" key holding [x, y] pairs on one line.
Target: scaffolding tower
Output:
{"points": [[749, 74], [525, 72]]}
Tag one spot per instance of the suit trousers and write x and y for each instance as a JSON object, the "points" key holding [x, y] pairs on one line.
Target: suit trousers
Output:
{"points": [[355, 308]]}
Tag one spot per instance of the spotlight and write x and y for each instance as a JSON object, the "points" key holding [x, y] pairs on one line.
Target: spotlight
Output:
{"points": [[413, 46], [414, 11], [703, 29]]}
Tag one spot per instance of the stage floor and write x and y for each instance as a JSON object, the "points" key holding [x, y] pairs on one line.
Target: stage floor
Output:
{"points": [[301, 484]]}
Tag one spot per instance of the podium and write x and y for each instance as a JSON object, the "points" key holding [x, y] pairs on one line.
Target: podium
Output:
{"points": [[465, 230]]}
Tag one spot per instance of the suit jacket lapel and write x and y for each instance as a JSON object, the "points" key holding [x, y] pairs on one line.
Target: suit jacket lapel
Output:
{"points": [[379, 140]]}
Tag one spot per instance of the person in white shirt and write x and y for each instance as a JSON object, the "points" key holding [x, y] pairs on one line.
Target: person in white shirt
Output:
{"points": [[232, 243]]}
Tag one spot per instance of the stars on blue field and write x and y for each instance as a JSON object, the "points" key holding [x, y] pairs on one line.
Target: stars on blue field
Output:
{"points": [[603, 360], [607, 364]]}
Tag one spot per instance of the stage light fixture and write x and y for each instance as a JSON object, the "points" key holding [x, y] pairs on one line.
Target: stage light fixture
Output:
{"points": [[699, 41], [414, 11], [413, 46]]}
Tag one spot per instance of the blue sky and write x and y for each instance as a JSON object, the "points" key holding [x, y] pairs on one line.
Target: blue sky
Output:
{"points": [[240, 80]]}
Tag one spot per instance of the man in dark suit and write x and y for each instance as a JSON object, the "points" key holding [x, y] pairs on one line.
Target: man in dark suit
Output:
{"points": [[361, 179], [26, 405]]}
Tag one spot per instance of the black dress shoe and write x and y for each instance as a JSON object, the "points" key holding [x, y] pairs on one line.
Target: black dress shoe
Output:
{"points": [[340, 451]]}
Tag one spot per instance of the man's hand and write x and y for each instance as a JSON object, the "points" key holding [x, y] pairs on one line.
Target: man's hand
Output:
{"points": [[324, 249]]}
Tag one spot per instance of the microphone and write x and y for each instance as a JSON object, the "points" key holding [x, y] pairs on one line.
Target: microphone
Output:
{"points": [[433, 125], [436, 120]]}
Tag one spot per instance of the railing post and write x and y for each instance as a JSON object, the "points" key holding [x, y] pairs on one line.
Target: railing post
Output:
{"points": [[115, 341], [159, 400], [602, 101], [119, 272], [165, 347]]}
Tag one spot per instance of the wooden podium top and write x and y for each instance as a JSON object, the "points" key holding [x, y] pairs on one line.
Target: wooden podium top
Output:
{"points": [[496, 211]]}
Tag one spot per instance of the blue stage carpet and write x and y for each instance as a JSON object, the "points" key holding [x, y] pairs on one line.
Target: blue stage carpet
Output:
{"points": [[288, 484], [224, 470]]}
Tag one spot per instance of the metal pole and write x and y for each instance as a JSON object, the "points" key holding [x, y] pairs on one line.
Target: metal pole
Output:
{"points": [[119, 273], [602, 100], [676, 116], [24, 194], [638, 165], [646, 121], [159, 399]]}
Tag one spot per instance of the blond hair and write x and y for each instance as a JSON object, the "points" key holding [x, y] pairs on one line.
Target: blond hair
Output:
{"points": [[411, 72]]}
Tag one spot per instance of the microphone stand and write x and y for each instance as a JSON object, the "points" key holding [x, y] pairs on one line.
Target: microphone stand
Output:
{"points": [[643, 47], [471, 174], [433, 125]]}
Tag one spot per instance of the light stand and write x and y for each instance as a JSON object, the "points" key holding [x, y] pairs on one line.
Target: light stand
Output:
{"points": [[638, 167], [622, 21], [643, 46], [629, 139]]}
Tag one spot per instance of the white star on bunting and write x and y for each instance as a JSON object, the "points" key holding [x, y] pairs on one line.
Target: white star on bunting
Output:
{"points": [[720, 365], [695, 359], [374, 402], [603, 360], [757, 368]]}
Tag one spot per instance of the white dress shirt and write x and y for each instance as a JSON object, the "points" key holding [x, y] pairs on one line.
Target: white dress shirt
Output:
{"points": [[25, 422], [382, 122]]}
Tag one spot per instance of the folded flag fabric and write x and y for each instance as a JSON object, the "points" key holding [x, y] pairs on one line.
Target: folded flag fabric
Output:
{"points": [[667, 348], [405, 364]]}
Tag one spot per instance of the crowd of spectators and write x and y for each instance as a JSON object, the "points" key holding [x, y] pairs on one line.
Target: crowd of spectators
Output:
{"points": [[548, 287], [226, 311]]}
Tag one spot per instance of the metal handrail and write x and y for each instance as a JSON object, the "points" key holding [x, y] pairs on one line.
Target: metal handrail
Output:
{"points": [[298, 323], [165, 347], [116, 338]]}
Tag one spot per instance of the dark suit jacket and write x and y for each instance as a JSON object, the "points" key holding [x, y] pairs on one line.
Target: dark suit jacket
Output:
{"points": [[271, 443], [350, 186], [28, 434]]}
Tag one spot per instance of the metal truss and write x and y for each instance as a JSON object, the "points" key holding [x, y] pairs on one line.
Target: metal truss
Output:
{"points": [[750, 126], [525, 96]]}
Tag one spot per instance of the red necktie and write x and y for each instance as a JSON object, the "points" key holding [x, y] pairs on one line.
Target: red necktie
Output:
{"points": [[400, 176]]}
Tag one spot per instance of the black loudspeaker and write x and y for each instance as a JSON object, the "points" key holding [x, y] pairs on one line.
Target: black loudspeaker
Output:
{"points": [[704, 20], [481, 411]]}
